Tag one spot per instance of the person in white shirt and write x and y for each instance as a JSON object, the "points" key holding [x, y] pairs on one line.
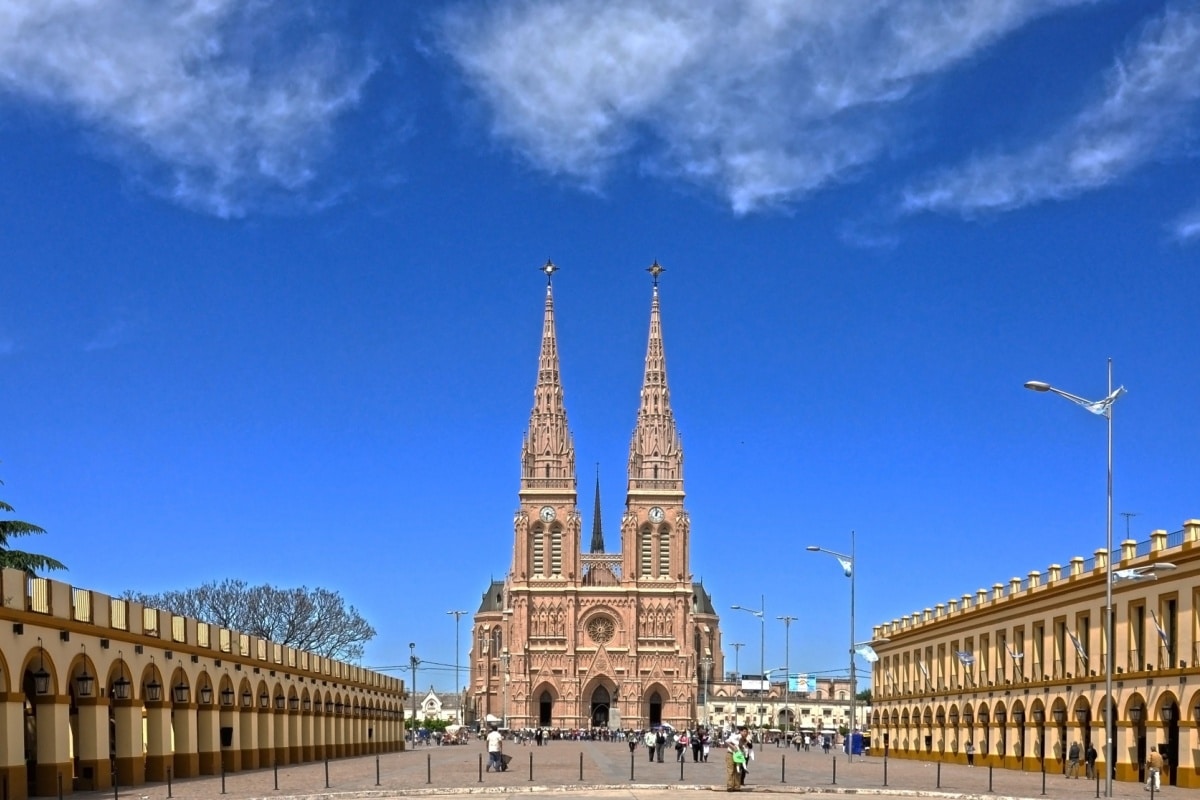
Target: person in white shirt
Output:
{"points": [[495, 746]]}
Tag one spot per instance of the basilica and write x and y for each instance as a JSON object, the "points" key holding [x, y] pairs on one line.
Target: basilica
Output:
{"points": [[595, 639]]}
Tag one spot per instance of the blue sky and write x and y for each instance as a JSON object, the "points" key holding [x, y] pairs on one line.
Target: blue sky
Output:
{"points": [[270, 307]]}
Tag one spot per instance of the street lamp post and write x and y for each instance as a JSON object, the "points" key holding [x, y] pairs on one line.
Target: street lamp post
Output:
{"points": [[458, 615], [787, 670], [413, 661], [847, 562], [508, 612], [706, 664], [761, 613], [737, 653], [1102, 408]]}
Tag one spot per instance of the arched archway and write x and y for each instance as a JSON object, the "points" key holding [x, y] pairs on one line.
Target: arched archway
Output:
{"points": [[601, 705], [654, 708], [545, 708]]}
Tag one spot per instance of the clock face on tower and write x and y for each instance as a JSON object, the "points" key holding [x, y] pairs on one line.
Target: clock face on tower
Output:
{"points": [[656, 515], [547, 514]]}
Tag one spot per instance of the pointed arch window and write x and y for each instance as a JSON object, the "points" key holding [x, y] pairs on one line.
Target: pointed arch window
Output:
{"points": [[645, 553], [664, 552], [497, 641], [556, 554], [538, 555]]}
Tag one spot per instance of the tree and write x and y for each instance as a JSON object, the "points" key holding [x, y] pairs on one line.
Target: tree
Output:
{"points": [[864, 696], [317, 620], [19, 559]]}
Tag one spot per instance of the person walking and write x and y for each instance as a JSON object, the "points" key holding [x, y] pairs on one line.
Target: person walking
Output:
{"points": [[651, 744], [970, 754], [1154, 768], [1073, 761], [697, 742], [681, 743], [660, 744], [1089, 758], [495, 748]]}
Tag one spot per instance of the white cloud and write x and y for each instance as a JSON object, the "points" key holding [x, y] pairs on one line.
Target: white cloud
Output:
{"points": [[1143, 114], [762, 100], [215, 102], [1187, 227]]}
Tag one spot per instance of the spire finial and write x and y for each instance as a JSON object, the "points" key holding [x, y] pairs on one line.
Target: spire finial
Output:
{"points": [[656, 269], [549, 268]]}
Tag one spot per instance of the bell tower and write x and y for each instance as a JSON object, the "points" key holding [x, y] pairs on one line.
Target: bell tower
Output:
{"points": [[547, 523], [654, 531]]}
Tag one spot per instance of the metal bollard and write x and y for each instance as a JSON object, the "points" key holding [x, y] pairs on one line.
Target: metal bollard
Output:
{"points": [[835, 770], [169, 783], [885, 756], [1097, 774], [1150, 778], [630, 765], [783, 770], [989, 777], [326, 772], [481, 767], [60, 786], [1043, 776], [939, 774], [376, 771], [681, 771], [222, 778], [581, 767], [275, 769], [428, 768], [531, 766]]}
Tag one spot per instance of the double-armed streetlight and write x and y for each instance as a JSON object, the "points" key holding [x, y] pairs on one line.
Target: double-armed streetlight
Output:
{"points": [[1101, 408], [761, 613]]}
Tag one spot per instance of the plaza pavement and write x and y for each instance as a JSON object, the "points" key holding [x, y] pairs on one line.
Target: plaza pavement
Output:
{"points": [[606, 775]]}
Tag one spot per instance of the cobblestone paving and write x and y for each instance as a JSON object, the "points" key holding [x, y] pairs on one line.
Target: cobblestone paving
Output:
{"points": [[607, 770]]}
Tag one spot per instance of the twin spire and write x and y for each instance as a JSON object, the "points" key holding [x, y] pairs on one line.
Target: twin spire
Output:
{"points": [[548, 454], [548, 457]]}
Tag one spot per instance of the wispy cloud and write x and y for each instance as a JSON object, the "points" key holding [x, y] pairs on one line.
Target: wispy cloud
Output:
{"points": [[1187, 227], [760, 100], [1146, 112], [214, 103], [112, 335]]}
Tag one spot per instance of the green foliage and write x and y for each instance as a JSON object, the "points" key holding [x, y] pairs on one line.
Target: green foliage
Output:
{"points": [[434, 725], [317, 620], [864, 696], [19, 559]]}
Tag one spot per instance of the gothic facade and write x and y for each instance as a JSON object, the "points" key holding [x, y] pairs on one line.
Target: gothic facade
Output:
{"points": [[575, 639]]}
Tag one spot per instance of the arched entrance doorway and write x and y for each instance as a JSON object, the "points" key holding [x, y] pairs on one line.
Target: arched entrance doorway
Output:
{"points": [[545, 708], [654, 712], [601, 702]]}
